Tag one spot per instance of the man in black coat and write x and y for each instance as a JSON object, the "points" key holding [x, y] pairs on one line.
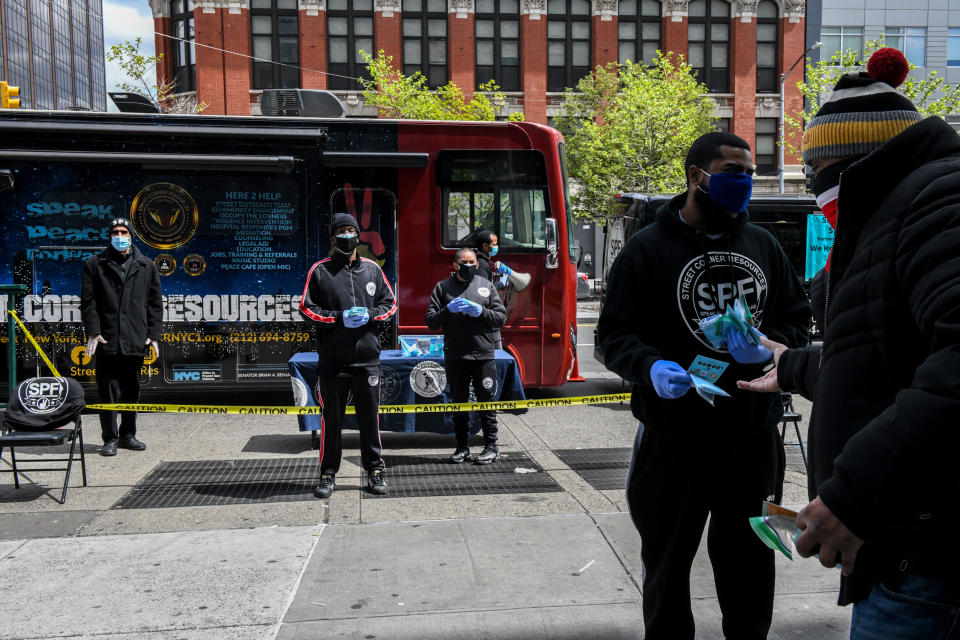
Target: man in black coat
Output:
{"points": [[692, 460], [121, 304], [466, 306], [886, 383]]}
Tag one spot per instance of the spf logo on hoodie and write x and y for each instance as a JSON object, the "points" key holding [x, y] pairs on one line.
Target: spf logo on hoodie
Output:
{"points": [[709, 282]]}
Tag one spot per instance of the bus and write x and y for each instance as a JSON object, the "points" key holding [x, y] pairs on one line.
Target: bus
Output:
{"points": [[235, 210]]}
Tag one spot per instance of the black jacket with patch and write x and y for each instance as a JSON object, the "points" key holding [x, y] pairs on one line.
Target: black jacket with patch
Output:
{"points": [[466, 338], [886, 383], [125, 308], [333, 286], [658, 289]]}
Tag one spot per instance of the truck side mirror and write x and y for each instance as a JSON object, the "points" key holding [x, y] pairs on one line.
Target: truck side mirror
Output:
{"points": [[552, 241]]}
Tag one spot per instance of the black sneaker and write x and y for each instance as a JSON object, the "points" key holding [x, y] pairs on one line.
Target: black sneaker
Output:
{"points": [[327, 484], [376, 483], [490, 453], [462, 454]]}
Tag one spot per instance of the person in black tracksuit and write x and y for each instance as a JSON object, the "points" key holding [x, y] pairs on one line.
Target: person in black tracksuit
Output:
{"points": [[348, 296], [692, 459], [466, 306], [121, 304]]}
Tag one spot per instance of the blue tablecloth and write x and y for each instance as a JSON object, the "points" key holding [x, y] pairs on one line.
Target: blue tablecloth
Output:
{"points": [[407, 381]]}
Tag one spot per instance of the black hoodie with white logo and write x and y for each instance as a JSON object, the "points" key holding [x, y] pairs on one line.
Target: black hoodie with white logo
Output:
{"points": [[667, 278]]}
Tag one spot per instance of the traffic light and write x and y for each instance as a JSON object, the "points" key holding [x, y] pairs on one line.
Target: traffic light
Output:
{"points": [[9, 96]]}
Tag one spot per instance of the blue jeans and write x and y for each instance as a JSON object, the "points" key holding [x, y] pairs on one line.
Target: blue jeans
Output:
{"points": [[919, 609]]}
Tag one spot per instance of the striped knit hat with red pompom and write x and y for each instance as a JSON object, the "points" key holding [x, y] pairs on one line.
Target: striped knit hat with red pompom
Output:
{"points": [[863, 112]]}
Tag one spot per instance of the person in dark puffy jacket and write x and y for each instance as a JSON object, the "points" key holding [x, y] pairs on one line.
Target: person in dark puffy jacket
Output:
{"points": [[348, 297], [466, 306], [886, 382], [121, 304]]}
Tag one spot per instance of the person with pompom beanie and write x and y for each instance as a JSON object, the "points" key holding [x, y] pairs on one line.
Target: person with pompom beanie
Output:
{"points": [[885, 382]]}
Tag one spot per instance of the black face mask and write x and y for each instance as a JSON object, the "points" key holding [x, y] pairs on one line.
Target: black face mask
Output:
{"points": [[714, 218], [466, 271], [829, 177], [346, 245]]}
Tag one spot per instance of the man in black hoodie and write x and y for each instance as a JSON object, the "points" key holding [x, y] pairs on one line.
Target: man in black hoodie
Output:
{"points": [[886, 383], [692, 459], [348, 296], [121, 304], [466, 306]]}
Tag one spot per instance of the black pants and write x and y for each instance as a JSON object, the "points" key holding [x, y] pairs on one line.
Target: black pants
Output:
{"points": [[483, 374], [118, 381], [334, 385], [674, 482]]}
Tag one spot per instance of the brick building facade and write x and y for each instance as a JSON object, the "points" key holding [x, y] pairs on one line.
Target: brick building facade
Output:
{"points": [[533, 48]]}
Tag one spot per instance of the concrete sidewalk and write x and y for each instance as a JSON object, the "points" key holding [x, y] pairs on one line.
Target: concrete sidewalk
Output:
{"points": [[560, 565]]}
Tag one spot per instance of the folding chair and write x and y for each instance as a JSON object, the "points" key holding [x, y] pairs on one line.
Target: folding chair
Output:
{"points": [[790, 415], [36, 417]]}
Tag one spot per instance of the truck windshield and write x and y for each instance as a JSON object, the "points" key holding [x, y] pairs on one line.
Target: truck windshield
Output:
{"points": [[502, 191]]}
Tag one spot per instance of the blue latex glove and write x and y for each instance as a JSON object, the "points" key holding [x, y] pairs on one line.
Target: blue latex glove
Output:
{"points": [[743, 351], [503, 269], [503, 281], [472, 309], [455, 305], [669, 379], [354, 320]]}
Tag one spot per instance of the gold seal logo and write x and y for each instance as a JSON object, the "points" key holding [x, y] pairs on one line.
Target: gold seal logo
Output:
{"points": [[166, 264], [194, 264], [164, 215]]}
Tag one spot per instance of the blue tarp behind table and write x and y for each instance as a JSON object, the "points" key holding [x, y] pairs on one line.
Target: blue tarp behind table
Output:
{"points": [[405, 381]]}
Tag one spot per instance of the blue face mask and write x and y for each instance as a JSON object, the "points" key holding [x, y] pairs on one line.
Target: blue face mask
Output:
{"points": [[493, 250], [120, 243], [730, 190]]}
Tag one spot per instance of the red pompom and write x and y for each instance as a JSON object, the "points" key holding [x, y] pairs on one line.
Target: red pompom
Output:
{"points": [[889, 65]]}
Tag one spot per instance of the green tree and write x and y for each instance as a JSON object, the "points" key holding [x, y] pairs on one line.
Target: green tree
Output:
{"points": [[932, 95], [628, 128], [141, 71], [409, 97]]}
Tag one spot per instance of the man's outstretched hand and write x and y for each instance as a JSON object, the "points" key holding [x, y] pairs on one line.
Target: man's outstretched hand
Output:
{"points": [[767, 383]]}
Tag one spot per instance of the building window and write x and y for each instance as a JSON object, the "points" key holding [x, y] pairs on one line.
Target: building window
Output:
{"points": [[184, 51], [708, 36], [498, 43], [275, 38], [425, 40], [953, 47], [911, 40], [767, 28], [639, 31], [722, 125], [568, 42], [766, 146], [840, 39], [349, 30]]}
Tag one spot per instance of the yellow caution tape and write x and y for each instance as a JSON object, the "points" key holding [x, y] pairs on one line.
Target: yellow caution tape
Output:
{"points": [[52, 368], [504, 405]]}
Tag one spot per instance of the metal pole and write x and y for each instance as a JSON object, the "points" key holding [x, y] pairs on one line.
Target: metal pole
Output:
{"points": [[783, 78], [11, 290]]}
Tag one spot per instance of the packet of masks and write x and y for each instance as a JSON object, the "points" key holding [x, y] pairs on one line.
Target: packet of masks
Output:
{"points": [[356, 311], [777, 528], [738, 316], [704, 372]]}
